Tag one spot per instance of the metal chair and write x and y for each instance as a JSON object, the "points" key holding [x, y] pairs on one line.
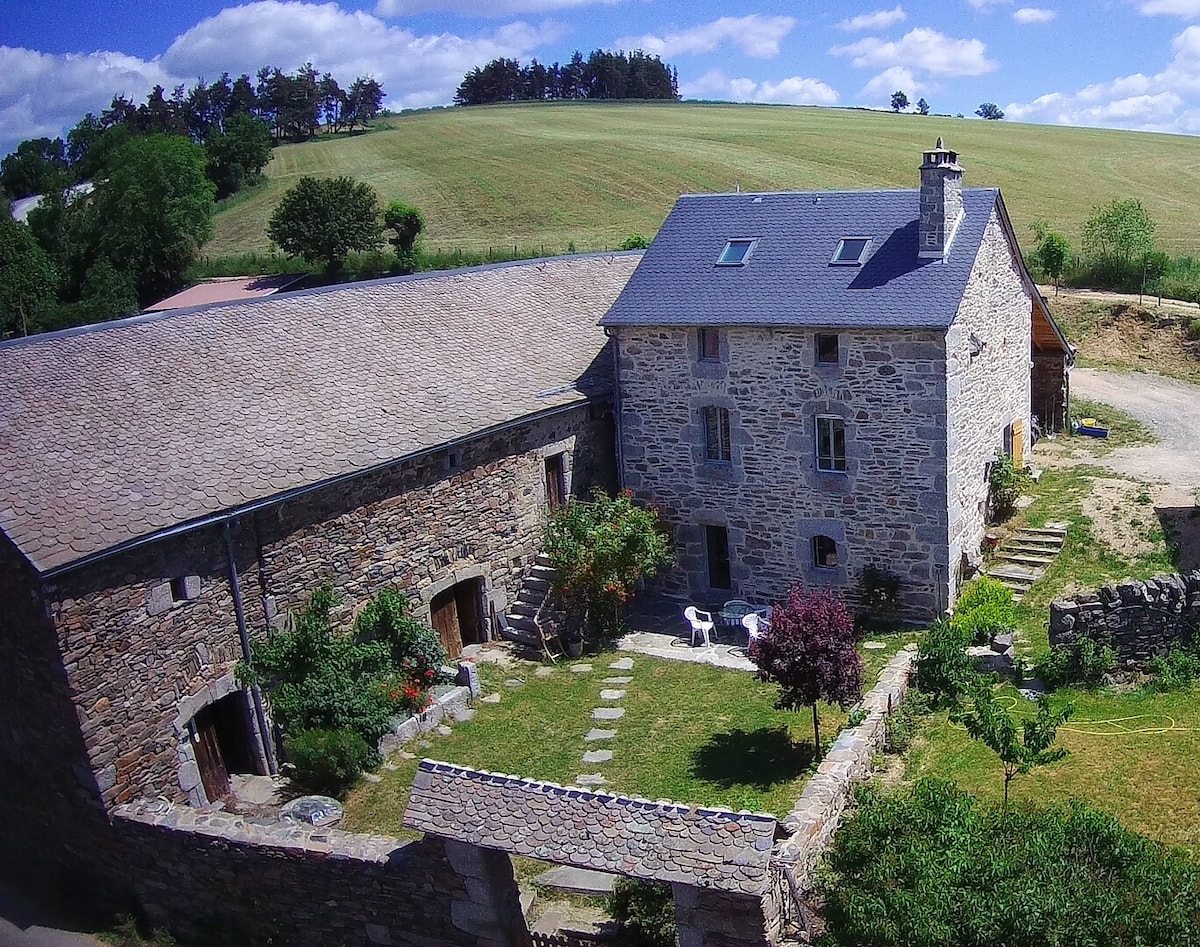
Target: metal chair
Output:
{"points": [[701, 623]]}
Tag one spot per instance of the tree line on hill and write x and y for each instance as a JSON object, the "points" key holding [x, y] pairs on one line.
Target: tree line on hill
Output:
{"points": [[235, 120], [603, 75]]}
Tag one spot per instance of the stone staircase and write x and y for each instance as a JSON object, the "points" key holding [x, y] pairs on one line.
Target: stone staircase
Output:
{"points": [[1023, 557], [520, 623]]}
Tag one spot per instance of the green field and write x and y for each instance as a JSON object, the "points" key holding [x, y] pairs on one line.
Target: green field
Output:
{"points": [[549, 175]]}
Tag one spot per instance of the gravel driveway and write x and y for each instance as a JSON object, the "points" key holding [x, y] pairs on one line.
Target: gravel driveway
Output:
{"points": [[1170, 408]]}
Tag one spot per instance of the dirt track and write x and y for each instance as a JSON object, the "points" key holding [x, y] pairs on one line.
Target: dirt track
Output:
{"points": [[1170, 408]]}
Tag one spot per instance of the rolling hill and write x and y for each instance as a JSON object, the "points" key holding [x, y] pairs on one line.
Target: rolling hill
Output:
{"points": [[590, 174]]}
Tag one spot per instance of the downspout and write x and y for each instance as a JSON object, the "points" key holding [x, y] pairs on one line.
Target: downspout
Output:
{"points": [[616, 349], [239, 611]]}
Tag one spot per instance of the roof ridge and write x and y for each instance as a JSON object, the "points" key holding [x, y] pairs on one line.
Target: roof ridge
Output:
{"points": [[821, 193]]}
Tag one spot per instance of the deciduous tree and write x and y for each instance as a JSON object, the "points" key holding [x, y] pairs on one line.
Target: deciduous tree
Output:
{"points": [[990, 111], [899, 101], [28, 282], [406, 224], [238, 154], [326, 219], [1052, 253], [922, 107], [808, 650]]}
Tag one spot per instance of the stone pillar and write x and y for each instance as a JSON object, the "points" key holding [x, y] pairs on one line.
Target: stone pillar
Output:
{"points": [[708, 918], [491, 912]]}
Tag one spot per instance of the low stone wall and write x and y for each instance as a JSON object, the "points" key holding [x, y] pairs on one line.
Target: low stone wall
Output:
{"points": [[212, 877], [426, 720], [818, 812], [1138, 619]]}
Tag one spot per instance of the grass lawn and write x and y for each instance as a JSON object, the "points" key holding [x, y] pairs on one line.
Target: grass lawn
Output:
{"points": [[1133, 755], [691, 733], [542, 175]]}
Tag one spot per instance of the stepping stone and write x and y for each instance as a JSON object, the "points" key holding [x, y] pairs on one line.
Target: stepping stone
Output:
{"points": [[463, 714], [590, 779], [444, 730], [424, 744], [611, 695], [581, 668], [390, 767], [616, 680], [372, 778], [543, 672], [608, 713], [514, 682], [405, 755], [624, 664], [597, 756], [593, 735], [491, 699], [874, 645]]}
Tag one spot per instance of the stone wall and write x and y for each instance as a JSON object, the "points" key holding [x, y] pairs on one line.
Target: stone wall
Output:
{"points": [[885, 510], [1050, 383], [815, 817], [1140, 620], [216, 878], [138, 659], [986, 391]]}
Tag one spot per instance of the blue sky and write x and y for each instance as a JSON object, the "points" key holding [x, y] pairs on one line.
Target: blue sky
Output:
{"points": [[1113, 63]]}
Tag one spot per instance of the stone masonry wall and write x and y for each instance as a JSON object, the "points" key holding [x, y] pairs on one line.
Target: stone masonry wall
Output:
{"points": [[1140, 620], [886, 510], [214, 878], [135, 658], [986, 392], [55, 829]]}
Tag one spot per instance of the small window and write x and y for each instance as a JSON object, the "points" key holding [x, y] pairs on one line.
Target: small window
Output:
{"points": [[716, 541], [824, 552], [736, 253], [850, 251], [710, 345], [716, 435], [831, 445], [556, 481], [827, 349], [184, 588]]}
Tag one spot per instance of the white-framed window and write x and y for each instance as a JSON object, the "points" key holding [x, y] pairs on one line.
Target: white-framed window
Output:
{"points": [[737, 252], [824, 552], [716, 435], [831, 444], [850, 251], [827, 348], [709, 345]]}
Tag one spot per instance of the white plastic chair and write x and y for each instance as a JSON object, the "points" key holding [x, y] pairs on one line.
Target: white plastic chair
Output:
{"points": [[755, 625], [701, 622]]}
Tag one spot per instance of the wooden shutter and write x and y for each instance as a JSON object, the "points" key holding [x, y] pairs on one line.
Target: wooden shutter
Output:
{"points": [[1018, 443]]}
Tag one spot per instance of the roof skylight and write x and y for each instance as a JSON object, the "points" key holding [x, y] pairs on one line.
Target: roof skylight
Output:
{"points": [[850, 251], [736, 253]]}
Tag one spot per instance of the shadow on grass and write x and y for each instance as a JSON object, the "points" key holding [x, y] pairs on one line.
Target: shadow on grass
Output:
{"points": [[762, 759]]}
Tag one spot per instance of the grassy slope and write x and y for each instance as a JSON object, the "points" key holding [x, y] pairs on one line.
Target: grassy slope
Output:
{"points": [[548, 175]]}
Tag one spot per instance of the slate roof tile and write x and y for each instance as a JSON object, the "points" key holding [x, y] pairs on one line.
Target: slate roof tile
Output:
{"points": [[121, 430]]}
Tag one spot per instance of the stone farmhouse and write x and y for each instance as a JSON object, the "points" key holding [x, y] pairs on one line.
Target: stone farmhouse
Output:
{"points": [[809, 384], [174, 484]]}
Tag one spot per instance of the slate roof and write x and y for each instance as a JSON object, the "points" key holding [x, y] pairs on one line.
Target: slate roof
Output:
{"points": [[123, 430], [788, 280], [661, 841], [226, 289]]}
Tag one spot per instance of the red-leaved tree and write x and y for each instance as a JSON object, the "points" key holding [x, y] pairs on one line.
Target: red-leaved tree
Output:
{"points": [[808, 650]]}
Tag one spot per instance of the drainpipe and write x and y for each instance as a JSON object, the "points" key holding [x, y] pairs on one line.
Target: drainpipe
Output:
{"points": [[235, 586], [617, 435]]}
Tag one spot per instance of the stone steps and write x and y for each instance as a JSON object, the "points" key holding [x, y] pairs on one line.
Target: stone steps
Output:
{"points": [[520, 619], [1022, 558]]}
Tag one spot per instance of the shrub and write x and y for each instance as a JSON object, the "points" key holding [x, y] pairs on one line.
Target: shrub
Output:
{"points": [[328, 761], [645, 911], [1193, 330], [1175, 670], [944, 670], [1006, 481], [903, 723], [635, 241], [1084, 661], [879, 598], [985, 609], [933, 866]]}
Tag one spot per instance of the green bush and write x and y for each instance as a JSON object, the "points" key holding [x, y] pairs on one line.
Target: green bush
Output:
{"points": [[933, 867], [1175, 670], [1084, 661], [328, 761], [1006, 482], [1193, 330], [985, 609], [635, 241], [645, 911], [903, 723], [944, 670]]}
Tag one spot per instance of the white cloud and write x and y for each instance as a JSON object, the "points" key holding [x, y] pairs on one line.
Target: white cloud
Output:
{"points": [[1165, 101], [1027, 15], [987, 6], [482, 8], [1188, 9], [795, 90], [754, 35], [879, 90], [879, 20], [921, 49], [42, 94]]}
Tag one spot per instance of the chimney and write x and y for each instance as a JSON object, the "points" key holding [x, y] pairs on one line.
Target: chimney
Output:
{"points": [[941, 201]]}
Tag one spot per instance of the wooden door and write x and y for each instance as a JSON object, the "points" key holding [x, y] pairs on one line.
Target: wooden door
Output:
{"points": [[556, 481], [213, 774], [443, 612], [469, 598], [1018, 444]]}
